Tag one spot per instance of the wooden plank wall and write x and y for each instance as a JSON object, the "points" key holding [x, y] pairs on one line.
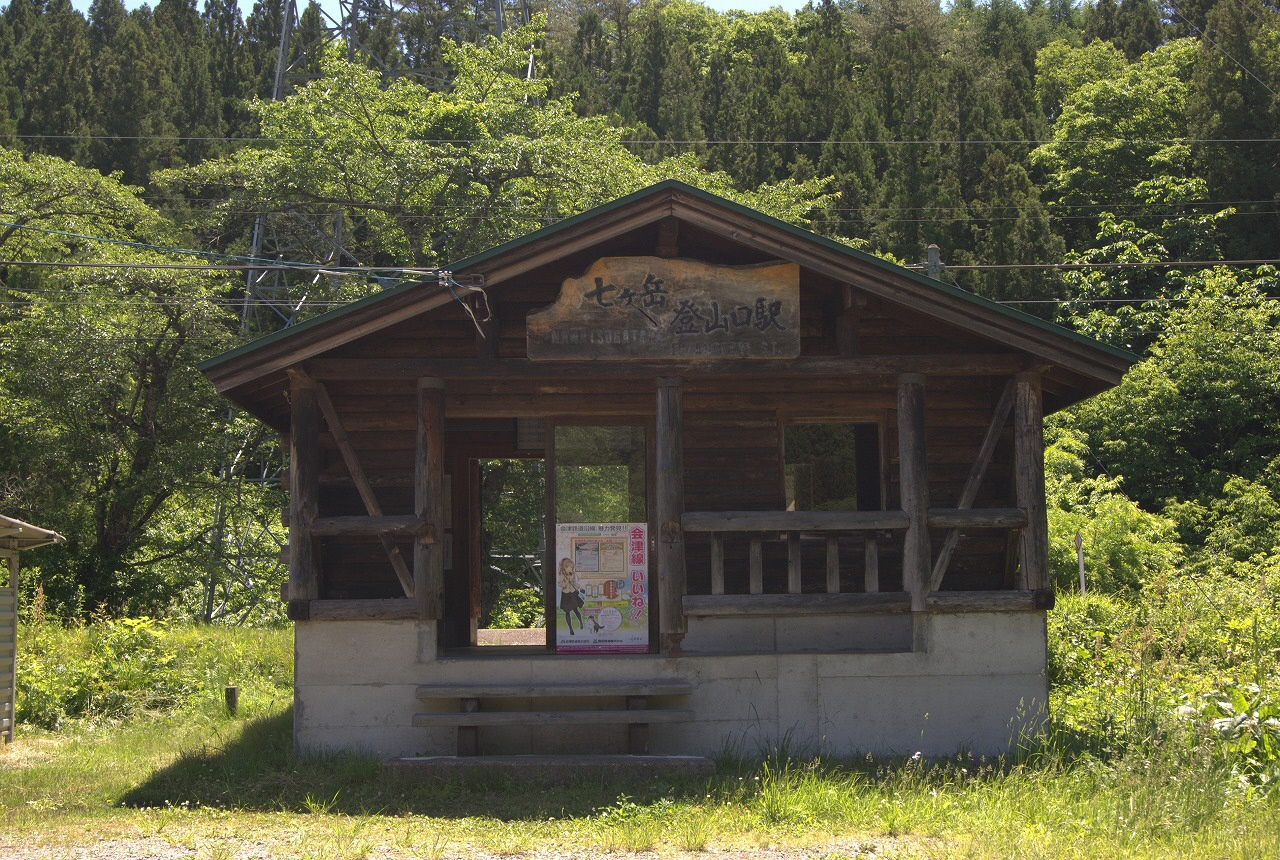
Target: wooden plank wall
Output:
{"points": [[733, 434]]}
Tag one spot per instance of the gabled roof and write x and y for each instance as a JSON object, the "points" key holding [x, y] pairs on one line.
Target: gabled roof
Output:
{"points": [[15, 534], [249, 364]]}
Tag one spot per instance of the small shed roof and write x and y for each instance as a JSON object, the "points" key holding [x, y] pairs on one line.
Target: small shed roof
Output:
{"points": [[243, 374], [15, 534]]}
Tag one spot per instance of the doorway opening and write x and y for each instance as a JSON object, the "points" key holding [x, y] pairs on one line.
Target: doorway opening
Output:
{"points": [[512, 549]]}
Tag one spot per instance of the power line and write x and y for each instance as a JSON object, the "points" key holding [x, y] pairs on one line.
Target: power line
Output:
{"points": [[318, 268], [655, 141]]}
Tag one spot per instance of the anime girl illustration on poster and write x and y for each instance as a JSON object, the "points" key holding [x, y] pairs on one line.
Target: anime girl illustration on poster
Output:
{"points": [[602, 587]]}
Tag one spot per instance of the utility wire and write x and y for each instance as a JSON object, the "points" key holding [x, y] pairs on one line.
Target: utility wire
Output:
{"points": [[654, 141]]}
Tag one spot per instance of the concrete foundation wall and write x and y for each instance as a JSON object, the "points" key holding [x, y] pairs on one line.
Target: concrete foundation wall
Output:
{"points": [[972, 682]]}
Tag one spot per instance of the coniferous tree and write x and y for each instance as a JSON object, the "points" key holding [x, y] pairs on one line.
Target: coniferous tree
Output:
{"points": [[1138, 28], [52, 73], [180, 40], [1233, 111], [131, 134], [228, 62]]}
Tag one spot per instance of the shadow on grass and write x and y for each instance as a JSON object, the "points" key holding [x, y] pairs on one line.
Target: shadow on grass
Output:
{"points": [[258, 771]]}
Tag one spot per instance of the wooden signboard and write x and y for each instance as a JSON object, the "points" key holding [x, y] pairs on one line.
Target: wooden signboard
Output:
{"points": [[652, 307]]}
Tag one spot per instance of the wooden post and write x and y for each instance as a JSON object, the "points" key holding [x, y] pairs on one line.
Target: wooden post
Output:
{"points": [[914, 480], [669, 498], [756, 566], [1080, 558], [304, 489], [9, 645], [1028, 444], [793, 563], [717, 563], [428, 499], [833, 564], [871, 555]]}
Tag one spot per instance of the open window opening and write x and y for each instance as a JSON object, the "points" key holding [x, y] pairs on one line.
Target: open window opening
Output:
{"points": [[837, 467], [832, 467]]}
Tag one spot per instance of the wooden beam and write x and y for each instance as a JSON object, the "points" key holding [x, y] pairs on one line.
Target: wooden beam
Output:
{"points": [[304, 485], [977, 518], [961, 364], [974, 481], [428, 498], [990, 601], [833, 564], [389, 609], [669, 499], [787, 521], [408, 525], [363, 487], [1028, 439], [914, 487]]}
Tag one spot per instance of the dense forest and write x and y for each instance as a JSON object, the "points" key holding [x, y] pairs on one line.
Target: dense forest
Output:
{"points": [[1114, 167]]}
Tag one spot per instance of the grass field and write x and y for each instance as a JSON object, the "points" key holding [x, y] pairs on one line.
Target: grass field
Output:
{"points": [[125, 750]]}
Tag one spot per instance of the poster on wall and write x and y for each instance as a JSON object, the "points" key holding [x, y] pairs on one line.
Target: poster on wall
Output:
{"points": [[602, 588]]}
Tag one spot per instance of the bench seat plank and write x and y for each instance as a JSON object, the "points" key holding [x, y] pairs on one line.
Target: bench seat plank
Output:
{"points": [[656, 687], [443, 719]]}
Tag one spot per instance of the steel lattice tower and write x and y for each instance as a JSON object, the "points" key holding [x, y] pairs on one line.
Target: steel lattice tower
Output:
{"points": [[400, 38]]}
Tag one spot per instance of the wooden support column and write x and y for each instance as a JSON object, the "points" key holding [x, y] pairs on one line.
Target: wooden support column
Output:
{"points": [[304, 490], [1028, 436], [669, 497], [428, 499], [914, 481], [9, 644]]}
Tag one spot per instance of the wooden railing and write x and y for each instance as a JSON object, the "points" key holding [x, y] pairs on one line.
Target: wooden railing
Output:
{"points": [[759, 527]]}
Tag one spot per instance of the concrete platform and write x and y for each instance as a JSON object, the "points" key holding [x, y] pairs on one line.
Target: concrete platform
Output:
{"points": [[549, 769]]}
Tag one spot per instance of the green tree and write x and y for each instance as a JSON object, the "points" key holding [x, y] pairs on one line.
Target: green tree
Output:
{"points": [[1202, 408], [409, 167], [1234, 115], [107, 421], [1116, 133], [51, 88]]}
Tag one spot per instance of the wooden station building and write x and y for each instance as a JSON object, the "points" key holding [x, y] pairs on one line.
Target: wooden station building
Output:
{"points": [[792, 491]]}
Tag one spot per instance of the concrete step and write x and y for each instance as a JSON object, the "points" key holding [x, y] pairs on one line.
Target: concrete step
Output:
{"points": [[549, 769]]}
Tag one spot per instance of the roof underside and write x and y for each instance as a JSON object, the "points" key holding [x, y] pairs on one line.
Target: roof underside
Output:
{"points": [[720, 231]]}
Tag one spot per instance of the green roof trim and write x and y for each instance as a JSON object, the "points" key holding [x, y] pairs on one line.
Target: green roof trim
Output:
{"points": [[709, 197]]}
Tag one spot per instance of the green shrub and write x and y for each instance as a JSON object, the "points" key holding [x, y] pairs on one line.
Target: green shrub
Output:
{"points": [[119, 669]]}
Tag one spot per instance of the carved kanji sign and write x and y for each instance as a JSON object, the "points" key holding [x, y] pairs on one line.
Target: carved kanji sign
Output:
{"points": [[651, 307]]}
